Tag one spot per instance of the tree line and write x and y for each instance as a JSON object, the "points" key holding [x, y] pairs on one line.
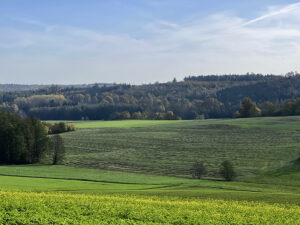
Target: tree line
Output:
{"points": [[249, 108], [26, 141], [194, 98]]}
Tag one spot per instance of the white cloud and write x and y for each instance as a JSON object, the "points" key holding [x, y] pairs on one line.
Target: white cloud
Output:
{"points": [[220, 43], [289, 9]]}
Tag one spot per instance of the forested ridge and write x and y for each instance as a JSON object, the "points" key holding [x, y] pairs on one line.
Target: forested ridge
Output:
{"points": [[27, 87], [193, 98]]}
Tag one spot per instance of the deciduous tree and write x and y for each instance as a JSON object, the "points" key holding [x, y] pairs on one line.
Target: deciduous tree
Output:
{"points": [[58, 149], [227, 171], [198, 170]]}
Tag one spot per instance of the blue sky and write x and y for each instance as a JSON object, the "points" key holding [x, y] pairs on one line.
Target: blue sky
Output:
{"points": [[75, 41]]}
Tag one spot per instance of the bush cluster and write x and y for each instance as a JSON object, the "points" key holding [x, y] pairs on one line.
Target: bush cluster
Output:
{"points": [[226, 170], [59, 127]]}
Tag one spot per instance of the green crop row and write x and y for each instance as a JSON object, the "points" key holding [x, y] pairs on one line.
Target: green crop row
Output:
{"points": [[61, 208]]}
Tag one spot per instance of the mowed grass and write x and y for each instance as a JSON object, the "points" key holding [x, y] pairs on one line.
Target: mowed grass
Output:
{"points": [[279, 123], [171, 147], [124, 123], [40, 178], [55, 208]]}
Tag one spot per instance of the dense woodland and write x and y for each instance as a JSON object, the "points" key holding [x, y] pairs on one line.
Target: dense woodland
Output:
{"points": [[21, 140], [26, 141], [194, 98]]}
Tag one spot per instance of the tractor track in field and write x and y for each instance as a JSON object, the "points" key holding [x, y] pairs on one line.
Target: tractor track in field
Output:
{"points": [[159, 186], [75, 179]]}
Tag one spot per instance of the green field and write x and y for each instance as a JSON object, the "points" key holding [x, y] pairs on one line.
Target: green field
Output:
{"points": [[97, 184], [170, 148], [40, 178], [90, 196], [123, 124]]}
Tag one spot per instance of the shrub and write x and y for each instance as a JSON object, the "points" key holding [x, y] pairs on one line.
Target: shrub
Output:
{"points": [[58, 128], [70, 127], [227, 171], [248, 109], [198, 170]]}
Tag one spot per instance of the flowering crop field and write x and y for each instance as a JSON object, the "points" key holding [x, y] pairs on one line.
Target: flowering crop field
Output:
{"points": [[62, 208]]}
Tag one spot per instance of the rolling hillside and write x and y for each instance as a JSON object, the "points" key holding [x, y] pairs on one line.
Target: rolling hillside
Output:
{"points": [[265, 148], [170, 148]]}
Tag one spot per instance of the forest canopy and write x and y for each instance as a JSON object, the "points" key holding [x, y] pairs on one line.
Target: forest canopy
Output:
{"points": [[22, 141], [197, 97]]}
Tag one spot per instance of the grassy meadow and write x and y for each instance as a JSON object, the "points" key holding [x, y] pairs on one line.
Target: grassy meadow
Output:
{"points": [[171, 147], [137, 172]]}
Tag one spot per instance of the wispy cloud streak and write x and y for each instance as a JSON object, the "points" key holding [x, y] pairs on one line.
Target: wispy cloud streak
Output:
{"points": [[285, 10], [220, 43]]}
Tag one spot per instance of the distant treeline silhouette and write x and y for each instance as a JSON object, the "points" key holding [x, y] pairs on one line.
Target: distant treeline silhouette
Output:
{"points": [[196, 97]]}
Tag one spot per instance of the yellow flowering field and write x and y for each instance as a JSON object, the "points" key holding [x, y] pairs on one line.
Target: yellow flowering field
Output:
{"points": [[61, 208]]}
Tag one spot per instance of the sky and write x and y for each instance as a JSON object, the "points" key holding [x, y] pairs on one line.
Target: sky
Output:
{"points": [[145, 41]]}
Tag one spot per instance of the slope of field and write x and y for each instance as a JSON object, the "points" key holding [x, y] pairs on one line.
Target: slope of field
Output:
{"points": [[270, 188], [253, 145], [35, 208]]}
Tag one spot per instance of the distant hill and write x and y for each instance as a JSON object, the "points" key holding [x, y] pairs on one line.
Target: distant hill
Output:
{"points": [[24, 87], [194, 98], [233, 77], [19, 87]]}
